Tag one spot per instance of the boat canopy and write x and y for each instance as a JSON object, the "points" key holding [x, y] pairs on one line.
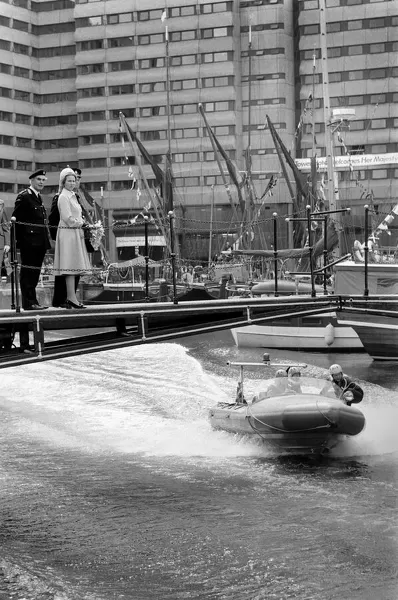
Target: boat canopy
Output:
{"points": [[138, 261]]}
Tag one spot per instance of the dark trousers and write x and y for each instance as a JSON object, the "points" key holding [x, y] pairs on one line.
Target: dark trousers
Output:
{"points": [[59, 296], [31, 262]]}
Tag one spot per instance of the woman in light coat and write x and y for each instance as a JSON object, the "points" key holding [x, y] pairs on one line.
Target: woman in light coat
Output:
{"points": [[70, 255]]}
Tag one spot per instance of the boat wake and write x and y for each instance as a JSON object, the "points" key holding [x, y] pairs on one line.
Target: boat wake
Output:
{"points": [[150, 400]]}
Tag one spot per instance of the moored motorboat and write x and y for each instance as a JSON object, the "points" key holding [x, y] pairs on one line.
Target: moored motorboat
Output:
{"points": [[301, 417]]}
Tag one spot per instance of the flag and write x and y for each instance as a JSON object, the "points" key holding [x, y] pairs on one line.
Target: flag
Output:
{"points": [[164, 16]]}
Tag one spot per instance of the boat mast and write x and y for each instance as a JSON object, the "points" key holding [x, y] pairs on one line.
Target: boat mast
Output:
{"points": [[168, 201], [333, 191], [248, 152]]}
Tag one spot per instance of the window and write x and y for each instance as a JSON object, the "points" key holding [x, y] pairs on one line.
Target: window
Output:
{"points": [[351, 25], [153, 111], [334, 77], [21, 49], [91, 92], [353, 50], [374, 23], [55, 120], [116, 90], [95, 186], [378, 123], [357, 125], [5, 92], [334, 52], [216, 7], [376, 48], [93, 163], [185, 133], [6, 45], [5, 68], [6, 163], [128, 113], [5, 116], [379, 174], [333, 27], [149, 136], [184, 84], [22, 95], [124, 65], [89, 69], [311, 29], [210, 57], [155, 38], [20, 25], [8, 187], [354, 75], [120, 42], [21, 72], [355, 100], [90, 45], [378, 149], [23, 165], [87, 140], [6, 140], [58, 74], [53, 28], [217, 81], [58, 143], [181, 36], [23, 119], [216, 32], [377, 74], [187, 181], [98, 115], [377, 98], [56, 51], [182, 11], [89, 21], [23, 142]]}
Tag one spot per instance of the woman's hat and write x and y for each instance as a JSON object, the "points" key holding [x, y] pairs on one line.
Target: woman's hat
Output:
{"points": [[64, 173]]}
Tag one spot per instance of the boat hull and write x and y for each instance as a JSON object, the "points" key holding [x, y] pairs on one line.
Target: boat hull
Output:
{"points": [[296, 424], [319, 334], [379, 335]]}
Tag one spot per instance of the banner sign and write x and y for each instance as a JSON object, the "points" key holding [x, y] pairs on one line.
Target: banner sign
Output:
{"points": [[345, 163], [139, 240]]}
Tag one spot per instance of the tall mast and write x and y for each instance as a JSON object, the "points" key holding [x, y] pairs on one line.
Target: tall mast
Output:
{"points": [[169, 201], [248, 151], [332, 188]]}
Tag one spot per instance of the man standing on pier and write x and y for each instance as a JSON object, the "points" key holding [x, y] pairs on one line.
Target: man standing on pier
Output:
{"points": [[32, 237]]}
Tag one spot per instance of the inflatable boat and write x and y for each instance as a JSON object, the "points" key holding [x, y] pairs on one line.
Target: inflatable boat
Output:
{"points": [[303, 416]]}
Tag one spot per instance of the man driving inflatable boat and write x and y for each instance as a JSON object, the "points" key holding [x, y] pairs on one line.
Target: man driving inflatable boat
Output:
{"points": [[343, 386]]}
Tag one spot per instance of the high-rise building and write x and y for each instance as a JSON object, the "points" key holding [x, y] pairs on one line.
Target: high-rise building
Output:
{"points": [[68, 68]]}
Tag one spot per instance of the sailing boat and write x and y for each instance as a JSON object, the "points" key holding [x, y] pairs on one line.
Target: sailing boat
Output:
{"points": [[306, 332]]}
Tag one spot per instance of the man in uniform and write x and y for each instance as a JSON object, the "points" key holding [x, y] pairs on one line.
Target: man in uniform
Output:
{"points": [[32, 237]]}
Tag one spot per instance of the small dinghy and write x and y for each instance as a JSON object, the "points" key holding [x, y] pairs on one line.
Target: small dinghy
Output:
{"points": [[298, 415]]}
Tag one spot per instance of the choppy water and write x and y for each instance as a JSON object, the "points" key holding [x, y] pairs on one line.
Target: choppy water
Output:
{"points": [[113, 486]]}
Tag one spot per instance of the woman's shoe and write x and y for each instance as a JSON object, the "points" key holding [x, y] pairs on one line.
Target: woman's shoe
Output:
{"points": [[70, 304]]}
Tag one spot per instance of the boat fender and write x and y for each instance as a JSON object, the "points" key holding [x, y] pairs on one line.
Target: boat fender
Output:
{"points": [[329, 334]]}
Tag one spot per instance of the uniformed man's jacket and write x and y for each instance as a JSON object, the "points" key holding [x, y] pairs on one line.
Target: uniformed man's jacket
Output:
{"points": [[31, 216]]}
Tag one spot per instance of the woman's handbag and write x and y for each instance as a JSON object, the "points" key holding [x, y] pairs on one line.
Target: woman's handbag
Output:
{"points": [[87, 237]]}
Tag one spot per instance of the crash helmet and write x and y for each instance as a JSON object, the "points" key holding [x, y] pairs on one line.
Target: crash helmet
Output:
{"points": [[281, 373], [335, 370], [294, 371]]}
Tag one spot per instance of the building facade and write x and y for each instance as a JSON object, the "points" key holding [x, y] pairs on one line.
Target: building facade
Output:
{"points": [[68, 69]]}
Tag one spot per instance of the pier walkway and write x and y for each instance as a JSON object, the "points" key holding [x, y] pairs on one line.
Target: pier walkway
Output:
{"points": [[57, 333]]}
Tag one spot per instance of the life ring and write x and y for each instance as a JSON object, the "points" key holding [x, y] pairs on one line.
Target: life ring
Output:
{"points": [[329, 334], [359, 253]]}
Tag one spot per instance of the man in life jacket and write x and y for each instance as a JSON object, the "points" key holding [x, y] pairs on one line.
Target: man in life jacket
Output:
{"points": [[343, 386]]}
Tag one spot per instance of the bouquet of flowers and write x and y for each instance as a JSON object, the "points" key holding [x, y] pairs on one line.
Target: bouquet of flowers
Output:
{"points": [[93, 234], [97, 232]]}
